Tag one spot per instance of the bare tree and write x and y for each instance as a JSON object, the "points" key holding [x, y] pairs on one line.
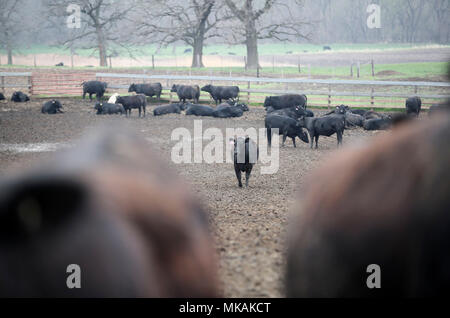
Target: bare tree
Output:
{"points": [[253, 28], [191, 22], [10, 25], [441, 10], [99, 21]]}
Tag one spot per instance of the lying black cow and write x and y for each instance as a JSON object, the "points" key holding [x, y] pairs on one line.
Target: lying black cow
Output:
{"points": [[129, 102], [52, 107], [199, 110], [245, 154], [377, 124], [219, 93], [227, 111], [150, 90], [324, 126], [94, 87], [243, 106], [439, 109], [169, 109], [293, 112], [109, 109], [360, 112], [353, 120], [286, 101], [19, 97], [413, 105], [288, 127], [60, 64], [2, 97], [186, 92]]}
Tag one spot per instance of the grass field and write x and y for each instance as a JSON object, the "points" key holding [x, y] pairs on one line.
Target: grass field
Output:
{"points": [[223, 49]]}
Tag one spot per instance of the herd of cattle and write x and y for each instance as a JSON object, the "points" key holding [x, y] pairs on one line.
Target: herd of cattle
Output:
{"points": [[136, 231]]}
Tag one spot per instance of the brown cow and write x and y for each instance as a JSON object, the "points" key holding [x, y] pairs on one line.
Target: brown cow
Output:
{"points": [[387, 204], [111, 207]]}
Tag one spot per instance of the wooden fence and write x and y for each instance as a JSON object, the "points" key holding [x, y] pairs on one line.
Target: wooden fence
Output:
{"points": [[373, 94], [329, 97]]}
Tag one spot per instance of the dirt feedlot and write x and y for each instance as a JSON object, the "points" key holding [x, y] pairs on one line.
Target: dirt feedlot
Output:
{"points": [[249, 224]]}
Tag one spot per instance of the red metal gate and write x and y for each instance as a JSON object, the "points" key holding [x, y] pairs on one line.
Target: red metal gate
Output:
{"points": [[58, 83]]}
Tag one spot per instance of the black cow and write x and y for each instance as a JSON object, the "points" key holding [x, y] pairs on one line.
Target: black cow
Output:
{"points": [[413, 105], [360, 112], [286, 101], [169, 109], [186, 92], [439, 109], [377, 124], [339, 110], [293, 112], [227, 111], [2, 97], [243, 106], [288, 127], [245, 154], [52, 107], [19, 97], [327, 48], [109, 109], [60, 64], [94, 87], [219, 93], [353, 120], [129, 102], [199, 110], [324, 126], [150, 90]]}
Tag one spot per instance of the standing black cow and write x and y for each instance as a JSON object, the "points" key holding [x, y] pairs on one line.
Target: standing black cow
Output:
{"points": [[129, 102], [19, 97], [52, 107], [2, 97], [413, 105], [286, 101], [109, 109], [94, 87], [245, 154], [219, 93], [150, 90], [288, 127], [324, 126], [186, 92]]}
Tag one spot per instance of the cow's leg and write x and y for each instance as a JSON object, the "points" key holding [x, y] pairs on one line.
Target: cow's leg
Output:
{"points": [[317, 141], [247, 175], [140, 111], [144, 111], [90, 96], [339, 138], [293, 141], [284, 138], [238, 175], [84, 95]]}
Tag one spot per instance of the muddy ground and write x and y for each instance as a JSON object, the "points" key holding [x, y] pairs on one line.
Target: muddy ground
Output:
{"points": [[248, 225]]}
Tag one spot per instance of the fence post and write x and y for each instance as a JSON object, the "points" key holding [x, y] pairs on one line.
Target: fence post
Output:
{"points": [[153, 61], [248, 93], [372, 100], [30, 85], [329, 97], [358, 66], [373, 69], [351, 70], [415, 89], [3, 84], [299, 67]]}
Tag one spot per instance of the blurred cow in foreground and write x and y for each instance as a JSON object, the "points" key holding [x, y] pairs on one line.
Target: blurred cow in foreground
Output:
{"points": [[112, 208], [387, 204]]}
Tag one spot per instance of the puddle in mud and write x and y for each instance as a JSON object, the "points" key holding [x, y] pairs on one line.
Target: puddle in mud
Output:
{"points": [[33, 147]]}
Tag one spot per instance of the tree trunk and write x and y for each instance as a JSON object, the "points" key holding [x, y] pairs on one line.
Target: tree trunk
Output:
{"points": [[101, 47], [10, 56], [251, 42], [197, 56]]}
